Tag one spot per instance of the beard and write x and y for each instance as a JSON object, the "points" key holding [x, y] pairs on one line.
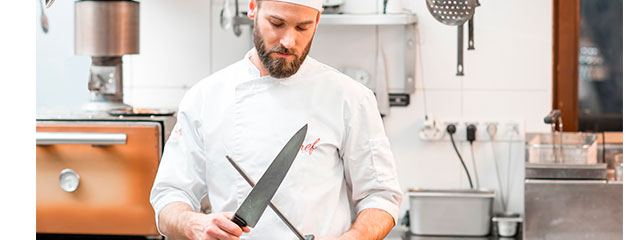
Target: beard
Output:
{"points": [[278, 68]]}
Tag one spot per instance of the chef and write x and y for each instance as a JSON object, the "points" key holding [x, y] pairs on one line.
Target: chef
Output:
{"points": [[343, 183]]}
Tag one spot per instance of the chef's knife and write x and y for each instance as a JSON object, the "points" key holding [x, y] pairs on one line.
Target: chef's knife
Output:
{"points": [[252, 208]]}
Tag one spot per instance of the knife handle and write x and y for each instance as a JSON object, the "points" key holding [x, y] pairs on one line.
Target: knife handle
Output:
{"points": [[239, 221], [309, 237]]}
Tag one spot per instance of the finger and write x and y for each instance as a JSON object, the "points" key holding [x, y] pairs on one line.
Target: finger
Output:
{"points": [[229, 215], [227, 226], [215, 233]]}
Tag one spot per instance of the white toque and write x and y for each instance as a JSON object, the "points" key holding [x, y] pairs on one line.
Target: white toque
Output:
{"points": [[316, 4]]}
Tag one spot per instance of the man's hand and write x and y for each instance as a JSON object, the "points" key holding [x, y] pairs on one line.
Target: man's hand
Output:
{"points": [[179, 221], [214, 226], [326, 238]]}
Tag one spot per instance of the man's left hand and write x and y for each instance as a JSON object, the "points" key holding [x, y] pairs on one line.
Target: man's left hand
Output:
{"points": [[327, 238]]}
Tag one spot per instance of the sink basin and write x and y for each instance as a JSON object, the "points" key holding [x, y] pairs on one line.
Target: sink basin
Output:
{"points": [[576, 148], [575, 159]]}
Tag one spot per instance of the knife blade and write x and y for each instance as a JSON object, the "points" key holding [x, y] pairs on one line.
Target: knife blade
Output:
{"points": [[252, 208]]}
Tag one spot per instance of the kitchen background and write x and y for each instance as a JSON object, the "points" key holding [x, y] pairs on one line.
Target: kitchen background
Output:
{"points": [[507, 78]]}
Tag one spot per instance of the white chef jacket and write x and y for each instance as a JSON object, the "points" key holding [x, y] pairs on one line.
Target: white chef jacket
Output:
{"points": [[345, 164]]}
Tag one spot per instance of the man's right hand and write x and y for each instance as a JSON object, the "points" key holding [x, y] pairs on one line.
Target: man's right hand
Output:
{"points": [[178, 221], [214, 226]]}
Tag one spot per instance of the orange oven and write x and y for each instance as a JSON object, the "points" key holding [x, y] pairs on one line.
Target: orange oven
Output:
{"points": [[94, 177]]}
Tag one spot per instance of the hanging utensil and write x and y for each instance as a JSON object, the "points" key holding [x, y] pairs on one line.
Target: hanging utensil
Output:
{"points": [[471, 42], [236, 28], [471, 47], [460, 66], [44, 20], [227, 20], [382, 93], [226, 15], [453, 13], [49, 3]]}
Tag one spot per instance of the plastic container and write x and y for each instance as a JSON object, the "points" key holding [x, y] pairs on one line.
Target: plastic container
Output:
{"points": [[507, 225], [450, 212]]}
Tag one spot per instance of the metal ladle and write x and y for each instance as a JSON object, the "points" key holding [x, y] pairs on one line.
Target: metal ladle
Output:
{"points": [[453, 13]]}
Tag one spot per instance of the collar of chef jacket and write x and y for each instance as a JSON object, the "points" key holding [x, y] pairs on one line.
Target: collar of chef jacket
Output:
{"points": [[254, 75]]}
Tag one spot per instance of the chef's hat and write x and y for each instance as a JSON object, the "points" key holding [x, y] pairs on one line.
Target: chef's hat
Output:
{"points": [[316, 4]]}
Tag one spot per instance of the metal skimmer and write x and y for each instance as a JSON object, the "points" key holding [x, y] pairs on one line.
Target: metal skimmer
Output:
{"points": [[453, 13]]}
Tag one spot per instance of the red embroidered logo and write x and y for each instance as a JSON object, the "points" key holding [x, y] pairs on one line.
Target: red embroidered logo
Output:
{"points": [[309, 148], [177, 129], [176, 133]]}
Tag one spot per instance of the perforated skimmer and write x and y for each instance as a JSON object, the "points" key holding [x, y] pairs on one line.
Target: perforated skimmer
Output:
{"points": [[453, 13]]}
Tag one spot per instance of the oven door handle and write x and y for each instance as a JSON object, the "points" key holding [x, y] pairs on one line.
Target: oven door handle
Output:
{"points": [[98, 139]]}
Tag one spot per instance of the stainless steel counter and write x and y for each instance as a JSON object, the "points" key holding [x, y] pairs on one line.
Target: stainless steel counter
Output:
{"points": [[573, 209], [568, 195]]}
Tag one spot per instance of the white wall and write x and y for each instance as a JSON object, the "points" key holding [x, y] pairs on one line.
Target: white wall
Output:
{"points": [[175, 52], [62, 77], [507, 77]]}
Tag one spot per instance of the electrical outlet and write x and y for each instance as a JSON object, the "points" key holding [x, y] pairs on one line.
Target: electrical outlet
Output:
{"points": [[432, 129], [514, 131], [461, 131], [485, 129], [505, 130], [474, 123], [508, 130]]}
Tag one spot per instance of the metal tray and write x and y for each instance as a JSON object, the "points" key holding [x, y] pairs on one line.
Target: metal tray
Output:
{"points": [[450, 212]]}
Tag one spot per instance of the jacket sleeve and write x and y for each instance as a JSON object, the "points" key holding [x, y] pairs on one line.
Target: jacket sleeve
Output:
{"points": [[370, 171], [181, 173]]}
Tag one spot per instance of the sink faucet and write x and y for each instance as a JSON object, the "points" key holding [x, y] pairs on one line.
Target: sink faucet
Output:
{"points": [[555, 119]]}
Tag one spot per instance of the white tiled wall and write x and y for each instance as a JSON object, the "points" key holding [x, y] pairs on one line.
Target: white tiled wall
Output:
{"points": [[62, 77], [507, 77], [175, 44], [155, 97], [227, 48]]}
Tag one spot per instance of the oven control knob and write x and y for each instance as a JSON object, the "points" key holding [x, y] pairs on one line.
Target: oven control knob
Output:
{"points": [[69, 180]]}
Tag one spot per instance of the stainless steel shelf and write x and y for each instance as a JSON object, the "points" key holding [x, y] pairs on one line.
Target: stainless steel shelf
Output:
{"points": [[368, 19]]}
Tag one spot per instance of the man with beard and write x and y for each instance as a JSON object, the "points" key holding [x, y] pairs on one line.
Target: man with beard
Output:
{"points": [[343, 183]]}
